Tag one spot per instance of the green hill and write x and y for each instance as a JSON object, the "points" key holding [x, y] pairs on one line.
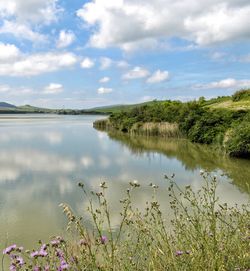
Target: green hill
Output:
{"points": [[4, 106]]}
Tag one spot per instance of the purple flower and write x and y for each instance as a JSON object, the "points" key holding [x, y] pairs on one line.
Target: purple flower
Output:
{"points": [[13, 267], [104, 239], [63, 265], [37, 268], [43, 252], [179, 253], [59, 254], [20, 261], [9, 249], [57, 241], [34, 254]]}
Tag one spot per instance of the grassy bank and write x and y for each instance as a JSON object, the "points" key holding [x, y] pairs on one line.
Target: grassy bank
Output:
{"points": [[204, 234], [200, 121]]}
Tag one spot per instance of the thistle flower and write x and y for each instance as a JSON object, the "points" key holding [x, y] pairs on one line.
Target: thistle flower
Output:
{"points": [[57, 241], [34, 254], [9, 249], [63, 265], [104, 239], [179, 253]]}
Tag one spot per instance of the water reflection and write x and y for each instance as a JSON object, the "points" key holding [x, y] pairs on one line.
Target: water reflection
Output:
{"points": [[192, 156], [42, 158]]}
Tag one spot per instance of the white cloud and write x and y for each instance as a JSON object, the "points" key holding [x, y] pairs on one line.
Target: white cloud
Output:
{"points": [[136, 73], [37, 11], [104, 80], [22, 31], [158, 76], [53, 88], [65, 39], [135, 23], [103, 90], [105, 63], [8, 52], [87, 63], [225, 84], [35, 64]]}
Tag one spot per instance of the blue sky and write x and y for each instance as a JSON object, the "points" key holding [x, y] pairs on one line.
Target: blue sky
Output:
{"points": [[82, 54]]}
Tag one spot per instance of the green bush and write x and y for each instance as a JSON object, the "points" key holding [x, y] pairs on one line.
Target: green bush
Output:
{"points": [[238, 144], [241, 95]]}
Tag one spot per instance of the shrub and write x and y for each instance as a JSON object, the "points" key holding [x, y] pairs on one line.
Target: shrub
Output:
{"points": [[238, 143], [241, 95]]}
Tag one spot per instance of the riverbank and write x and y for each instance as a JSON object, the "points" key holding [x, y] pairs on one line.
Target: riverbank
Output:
{"points": [[197, 121]]}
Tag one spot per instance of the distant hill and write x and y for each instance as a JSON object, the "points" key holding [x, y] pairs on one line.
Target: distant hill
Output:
{"points": [[4, 105], [118, 108], [30, 108]]}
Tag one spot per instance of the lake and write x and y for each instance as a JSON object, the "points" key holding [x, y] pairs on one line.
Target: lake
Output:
{"points": [[43, 157]]}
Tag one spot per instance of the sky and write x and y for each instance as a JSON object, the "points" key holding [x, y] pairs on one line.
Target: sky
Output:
{"points": [[89, 53]]}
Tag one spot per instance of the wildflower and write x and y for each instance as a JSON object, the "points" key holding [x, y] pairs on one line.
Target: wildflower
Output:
{"points": [[59, 254], [179, 253], [9, 249], [34, 254], [63, 265], [104, 239], [13, 267], [57, 241], [43, 252], [20, 261]]}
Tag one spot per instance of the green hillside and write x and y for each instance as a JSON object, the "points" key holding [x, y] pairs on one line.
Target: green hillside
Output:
{"points": [[118, 108]]}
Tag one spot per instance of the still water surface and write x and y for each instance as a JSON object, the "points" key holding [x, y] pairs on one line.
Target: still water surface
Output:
{"points": [[42, 158]]}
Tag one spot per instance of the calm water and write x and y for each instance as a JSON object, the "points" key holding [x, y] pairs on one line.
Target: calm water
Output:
{"points": [[42, 158]]}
